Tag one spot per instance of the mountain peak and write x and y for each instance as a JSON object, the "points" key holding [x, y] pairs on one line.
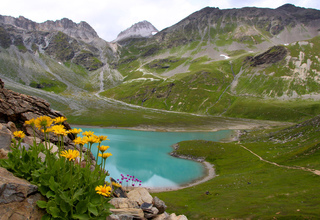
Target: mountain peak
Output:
{"points": [[142, 29], [82, 31]]}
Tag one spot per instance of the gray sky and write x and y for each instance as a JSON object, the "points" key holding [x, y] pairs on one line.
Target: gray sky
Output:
{"points": [[110, 17]]}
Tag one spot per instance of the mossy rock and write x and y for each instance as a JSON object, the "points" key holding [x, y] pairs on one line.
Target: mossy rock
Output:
{"points": [[60, 47], [88, 60]]}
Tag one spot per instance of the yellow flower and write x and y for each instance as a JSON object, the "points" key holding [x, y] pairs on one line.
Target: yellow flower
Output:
{"points": [[81, 141], [88, 133], [103, 190], [58, 130], [105, 155], [103, 137], [43, 121], [59, 120], [70, 154], [116, 184], [75, 131], [19, 134], [103, 148], [30, 122], [93, 139]]}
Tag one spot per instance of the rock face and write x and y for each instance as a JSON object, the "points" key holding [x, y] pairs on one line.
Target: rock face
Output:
{"points": [[143, 29], [282, 24], [18, 198], [82, 31], [273, 55], [16, 108], [62, 40]]}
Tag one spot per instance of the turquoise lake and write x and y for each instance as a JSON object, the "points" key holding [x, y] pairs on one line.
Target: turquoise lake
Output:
{"points": [[145, 155]]}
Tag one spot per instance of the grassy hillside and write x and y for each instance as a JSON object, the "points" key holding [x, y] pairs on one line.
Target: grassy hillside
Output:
{"points": [[248, 188], [281, 83]]}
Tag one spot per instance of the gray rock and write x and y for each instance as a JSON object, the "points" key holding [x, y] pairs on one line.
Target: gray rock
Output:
{"points": [[146, 206], [159, 204], [13, 189], [18, 198], [134, 213], [151, 213], [5, 137]]}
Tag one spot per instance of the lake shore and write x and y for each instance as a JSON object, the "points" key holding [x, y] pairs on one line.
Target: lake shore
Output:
{"points": [[210, 173], [225, 124], [209, 168]]}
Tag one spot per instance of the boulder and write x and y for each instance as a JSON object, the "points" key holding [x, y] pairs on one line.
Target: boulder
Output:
{"points": [[14, 189], [120, 217], [18, 198], [120, 203], [29, 140], [162, 216], [151, 213], [135, 213], [11, 126], [173, 216], [3, 153], [159, 204], [140, 195], [5, 137]]}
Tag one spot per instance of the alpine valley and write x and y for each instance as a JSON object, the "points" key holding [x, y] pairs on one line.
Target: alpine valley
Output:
{"points": [[253, 70], [254, 63]]}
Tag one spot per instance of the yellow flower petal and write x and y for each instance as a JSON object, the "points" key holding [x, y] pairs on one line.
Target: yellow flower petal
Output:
{"points": [[19, 134], [70, 154]]}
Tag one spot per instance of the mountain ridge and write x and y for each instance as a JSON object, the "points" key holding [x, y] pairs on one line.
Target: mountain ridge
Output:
{"points": [[82, 30], [212, 62], [142, 29]]}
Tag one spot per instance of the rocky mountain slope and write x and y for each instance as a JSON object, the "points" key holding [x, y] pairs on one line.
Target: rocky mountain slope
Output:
{"points": [[82, 31], [248, 62], [55, 55], [143, 29], [235, 62]]}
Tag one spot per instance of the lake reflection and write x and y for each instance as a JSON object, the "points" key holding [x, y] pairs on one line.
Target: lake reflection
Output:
{"points": [[144, 154]]}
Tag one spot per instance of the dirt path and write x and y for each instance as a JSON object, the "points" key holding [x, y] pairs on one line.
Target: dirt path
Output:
{"points": [[317, 172]]}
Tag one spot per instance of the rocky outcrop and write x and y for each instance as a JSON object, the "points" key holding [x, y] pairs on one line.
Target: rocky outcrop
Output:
{"points": [[139, 204], [209, 22], [82, 31], [18, 198], [273, 55], [142, 29], [62, 40], [16, 108]]}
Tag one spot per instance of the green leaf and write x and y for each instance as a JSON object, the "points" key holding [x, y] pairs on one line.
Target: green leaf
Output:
{"points": [[50, 194], [65, 207], [78, 193], [53, 184], [81, 216], [43, 189], [65, 196], [46, 217], [55, 212], [42, 204], [82, 207], [93, 209]]}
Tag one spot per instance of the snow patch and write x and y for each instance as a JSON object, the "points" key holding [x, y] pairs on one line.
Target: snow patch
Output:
{"points": [[225, 56]]}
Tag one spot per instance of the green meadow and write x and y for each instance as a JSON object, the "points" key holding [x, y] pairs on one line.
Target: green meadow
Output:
{"points": [[248, 188]]}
